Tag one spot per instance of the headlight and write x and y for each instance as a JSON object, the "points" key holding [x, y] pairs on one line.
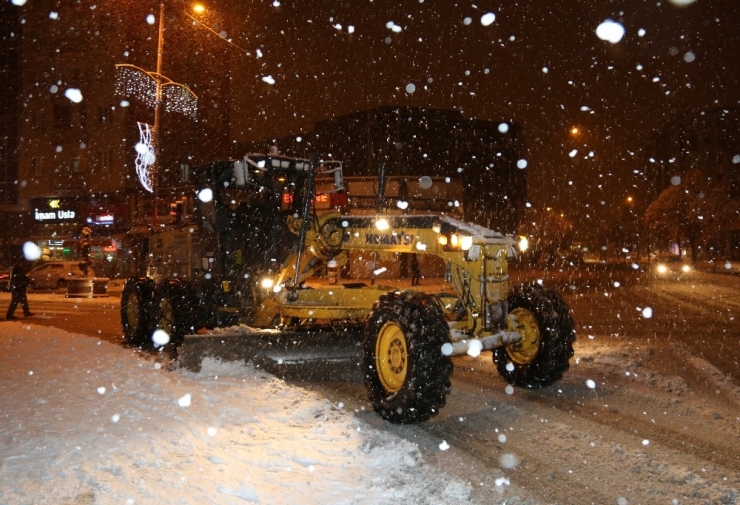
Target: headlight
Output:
{"points": [[382, 224], [686, 269], [458, 240], [662, 269], [523, 243], [266, 283], [466, 242]]}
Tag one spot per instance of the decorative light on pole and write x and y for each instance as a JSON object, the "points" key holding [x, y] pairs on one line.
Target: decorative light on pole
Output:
{"points": [[156, 90]]}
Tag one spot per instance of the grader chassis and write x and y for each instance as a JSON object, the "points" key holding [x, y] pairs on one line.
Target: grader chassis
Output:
{"points": [[407, 337]]}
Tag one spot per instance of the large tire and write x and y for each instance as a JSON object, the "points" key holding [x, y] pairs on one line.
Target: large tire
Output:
{"points": [[136, 317], [173, 310], [406, 375], [543, 354]]}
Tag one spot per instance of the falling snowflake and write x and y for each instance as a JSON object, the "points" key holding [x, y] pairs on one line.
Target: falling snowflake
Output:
{"points": [[508, 460], [185, 400], [487, 19], [74, 95], [611, 31]]}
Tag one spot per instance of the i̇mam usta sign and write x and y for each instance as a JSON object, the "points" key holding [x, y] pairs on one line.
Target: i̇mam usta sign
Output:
{"points": [[53, 210]]}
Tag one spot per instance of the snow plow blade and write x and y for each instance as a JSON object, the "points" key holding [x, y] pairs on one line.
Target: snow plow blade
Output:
{"points": [[269, 346]]}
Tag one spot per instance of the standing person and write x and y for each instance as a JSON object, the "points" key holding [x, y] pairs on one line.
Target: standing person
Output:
{"points": [[85, 250], [415, 273], [19, 281]]}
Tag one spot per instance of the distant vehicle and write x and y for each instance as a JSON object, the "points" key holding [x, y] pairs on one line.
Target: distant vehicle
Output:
{"points": [[672, 267], [5, 281], [55, 274]]}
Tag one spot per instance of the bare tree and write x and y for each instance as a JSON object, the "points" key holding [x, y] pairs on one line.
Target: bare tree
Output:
{"points": [[695, 212]]}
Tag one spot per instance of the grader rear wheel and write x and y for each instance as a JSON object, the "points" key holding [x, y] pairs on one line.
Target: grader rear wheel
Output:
{"points": [[542, 355], [135, 310], [406, 375]]}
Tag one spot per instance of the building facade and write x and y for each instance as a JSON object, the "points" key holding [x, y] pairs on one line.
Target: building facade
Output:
{"points": [[71, 161], [10, 88]]}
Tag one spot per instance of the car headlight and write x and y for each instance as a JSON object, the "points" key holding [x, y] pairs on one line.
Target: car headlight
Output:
{"points": [[662, 269], [686, 269]]}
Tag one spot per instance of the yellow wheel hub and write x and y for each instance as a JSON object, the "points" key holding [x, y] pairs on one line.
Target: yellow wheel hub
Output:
{"points": [[391, 357], [524, 322], [165, 315], [132, 310]]}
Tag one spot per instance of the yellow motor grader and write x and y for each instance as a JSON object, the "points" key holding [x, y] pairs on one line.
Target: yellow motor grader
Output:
{"points": [[233, 281]]}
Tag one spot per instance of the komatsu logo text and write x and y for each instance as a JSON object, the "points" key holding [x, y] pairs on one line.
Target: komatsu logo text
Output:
{"points": [[394, 238]]}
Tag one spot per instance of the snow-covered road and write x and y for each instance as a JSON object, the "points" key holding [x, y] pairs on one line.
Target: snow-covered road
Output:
{"points": [[648, 413]]}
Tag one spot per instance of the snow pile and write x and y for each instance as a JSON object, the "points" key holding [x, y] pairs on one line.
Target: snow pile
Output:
{"points": [[85, 421]]}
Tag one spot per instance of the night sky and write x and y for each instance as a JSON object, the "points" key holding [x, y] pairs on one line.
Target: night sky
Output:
{"points": [[540, 63]]}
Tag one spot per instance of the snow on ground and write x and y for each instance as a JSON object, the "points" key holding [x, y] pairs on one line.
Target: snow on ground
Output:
{"points": [[84, 421]]}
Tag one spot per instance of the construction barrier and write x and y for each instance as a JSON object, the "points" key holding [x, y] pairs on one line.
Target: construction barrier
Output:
{"points": [[87, 287]]}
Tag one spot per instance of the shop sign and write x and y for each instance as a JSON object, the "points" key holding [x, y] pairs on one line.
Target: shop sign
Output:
{"points": [[53, 210]]}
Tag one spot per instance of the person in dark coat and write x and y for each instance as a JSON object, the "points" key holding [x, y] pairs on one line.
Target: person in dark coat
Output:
{"points": [[19, 281], [415, 273], [85, 251]]}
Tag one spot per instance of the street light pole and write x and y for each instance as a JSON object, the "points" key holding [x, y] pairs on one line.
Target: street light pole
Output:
{"points": [[157, 111], [167, 95]]}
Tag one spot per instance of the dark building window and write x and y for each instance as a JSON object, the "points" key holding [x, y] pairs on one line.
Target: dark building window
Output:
{"points": [[62, 116], [105, 114], [103, 159]]}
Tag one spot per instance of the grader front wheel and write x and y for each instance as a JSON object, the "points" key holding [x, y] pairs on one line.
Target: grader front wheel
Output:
{"points": [[406, 374], [543, 320], [173, 310], [391, 355]]}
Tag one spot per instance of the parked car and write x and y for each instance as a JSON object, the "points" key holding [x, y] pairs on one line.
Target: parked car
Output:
{"points": [[5, 281], [55, 274]]}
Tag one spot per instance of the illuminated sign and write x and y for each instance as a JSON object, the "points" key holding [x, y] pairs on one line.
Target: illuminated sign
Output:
{"points": [[54, 210], [54, 215]]}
